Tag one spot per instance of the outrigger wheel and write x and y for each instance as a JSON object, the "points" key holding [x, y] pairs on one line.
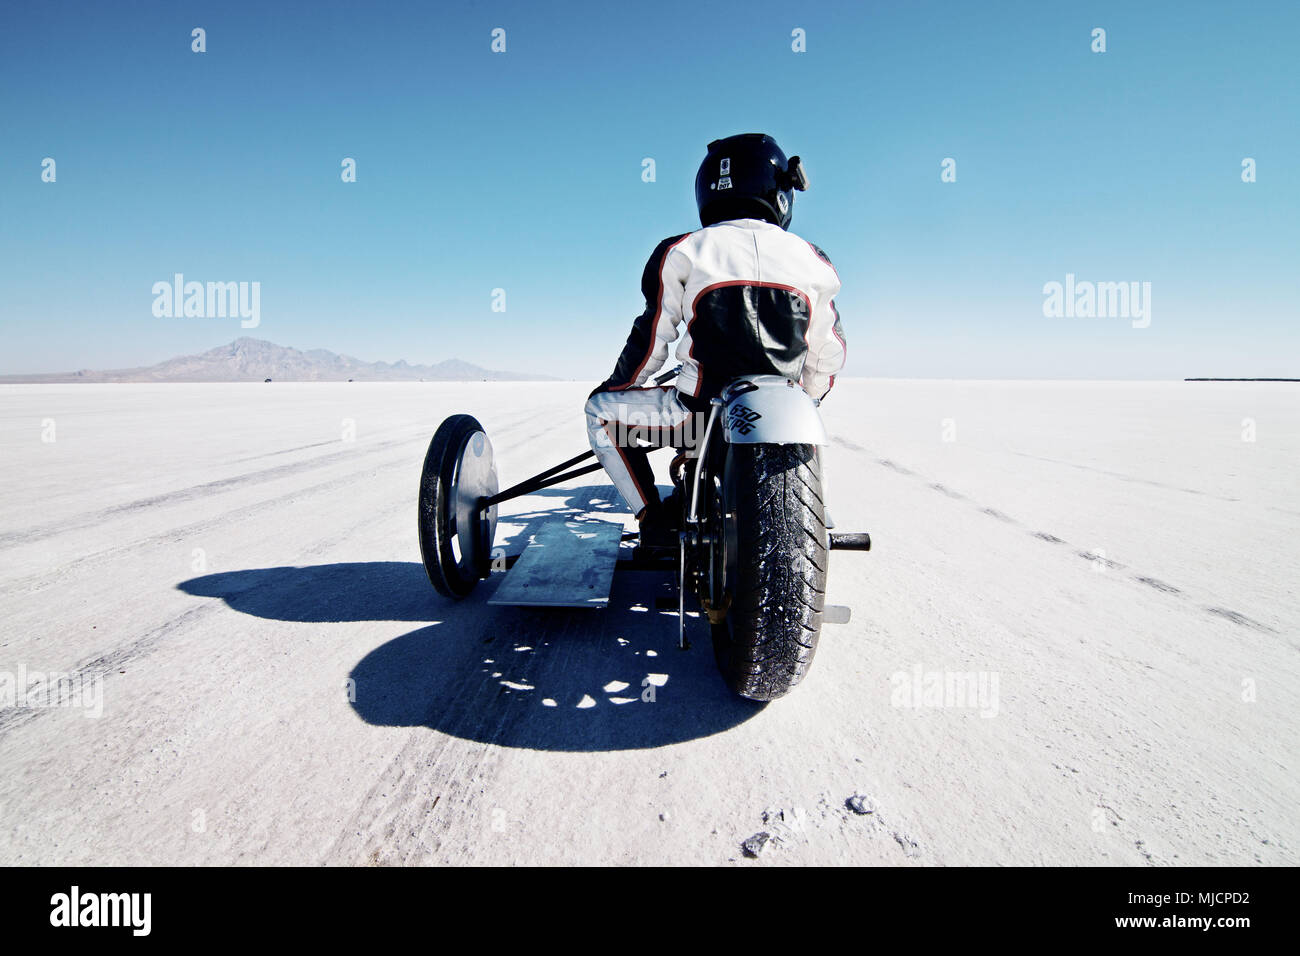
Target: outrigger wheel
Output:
{"points": [[456, 532]]}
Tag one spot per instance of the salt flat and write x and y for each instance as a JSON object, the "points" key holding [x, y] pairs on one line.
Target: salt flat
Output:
{"points": [[236, 563]]}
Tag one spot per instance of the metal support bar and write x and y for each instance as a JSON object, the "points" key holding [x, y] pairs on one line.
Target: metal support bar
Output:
{"points": [[512, 492], [682, 643], [692, 522], [544, 480], [691, 519]]}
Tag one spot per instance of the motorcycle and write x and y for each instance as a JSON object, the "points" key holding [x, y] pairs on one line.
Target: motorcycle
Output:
{"points": [[753, 546]]}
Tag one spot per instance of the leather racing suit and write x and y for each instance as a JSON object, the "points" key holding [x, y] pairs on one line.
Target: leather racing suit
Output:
{"points": [[753, 299]]}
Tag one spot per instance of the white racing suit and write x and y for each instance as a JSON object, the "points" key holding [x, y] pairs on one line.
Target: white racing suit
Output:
{"points": [[753, 299]]}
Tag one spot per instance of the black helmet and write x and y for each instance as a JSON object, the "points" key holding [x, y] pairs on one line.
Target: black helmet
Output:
{"points": [[747, 177]]}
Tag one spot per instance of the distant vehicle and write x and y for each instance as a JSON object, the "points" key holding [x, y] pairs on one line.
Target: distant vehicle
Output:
{"points": [[268, 380]]}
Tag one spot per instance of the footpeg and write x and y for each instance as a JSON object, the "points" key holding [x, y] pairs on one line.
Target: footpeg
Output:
{"points": [[851, 541], [836, 614]]}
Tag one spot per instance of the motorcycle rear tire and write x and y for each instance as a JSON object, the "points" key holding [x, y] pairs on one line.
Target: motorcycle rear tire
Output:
{"points": [[777, 549]]}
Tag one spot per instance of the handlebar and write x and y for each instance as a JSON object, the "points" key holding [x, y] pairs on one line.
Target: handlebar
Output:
{"points": [[664, 378]]}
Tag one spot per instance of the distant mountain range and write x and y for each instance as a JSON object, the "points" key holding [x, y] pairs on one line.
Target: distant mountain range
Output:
{"points": [[255, 360]]}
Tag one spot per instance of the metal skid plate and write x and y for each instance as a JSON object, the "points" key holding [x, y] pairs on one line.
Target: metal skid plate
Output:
{"points": [[568, 564]]}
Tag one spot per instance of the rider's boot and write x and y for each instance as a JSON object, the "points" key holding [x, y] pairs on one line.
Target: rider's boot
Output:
{"points": [[659, 523], [672, 510]]}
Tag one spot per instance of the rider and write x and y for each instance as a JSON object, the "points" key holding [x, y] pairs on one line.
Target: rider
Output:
{"points": [[754, 298]]}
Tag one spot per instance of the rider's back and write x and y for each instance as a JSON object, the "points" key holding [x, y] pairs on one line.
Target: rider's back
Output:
{"points": [[757, 300]]}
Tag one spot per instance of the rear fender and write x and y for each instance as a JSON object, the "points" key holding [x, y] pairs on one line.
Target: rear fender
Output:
{"points": [[770, 409]]}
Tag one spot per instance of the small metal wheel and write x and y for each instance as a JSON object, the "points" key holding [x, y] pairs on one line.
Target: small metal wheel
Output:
{"points": [[455, 534]]}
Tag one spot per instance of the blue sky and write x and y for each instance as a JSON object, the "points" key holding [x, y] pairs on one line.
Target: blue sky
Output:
{"points": [[522, 171]]}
